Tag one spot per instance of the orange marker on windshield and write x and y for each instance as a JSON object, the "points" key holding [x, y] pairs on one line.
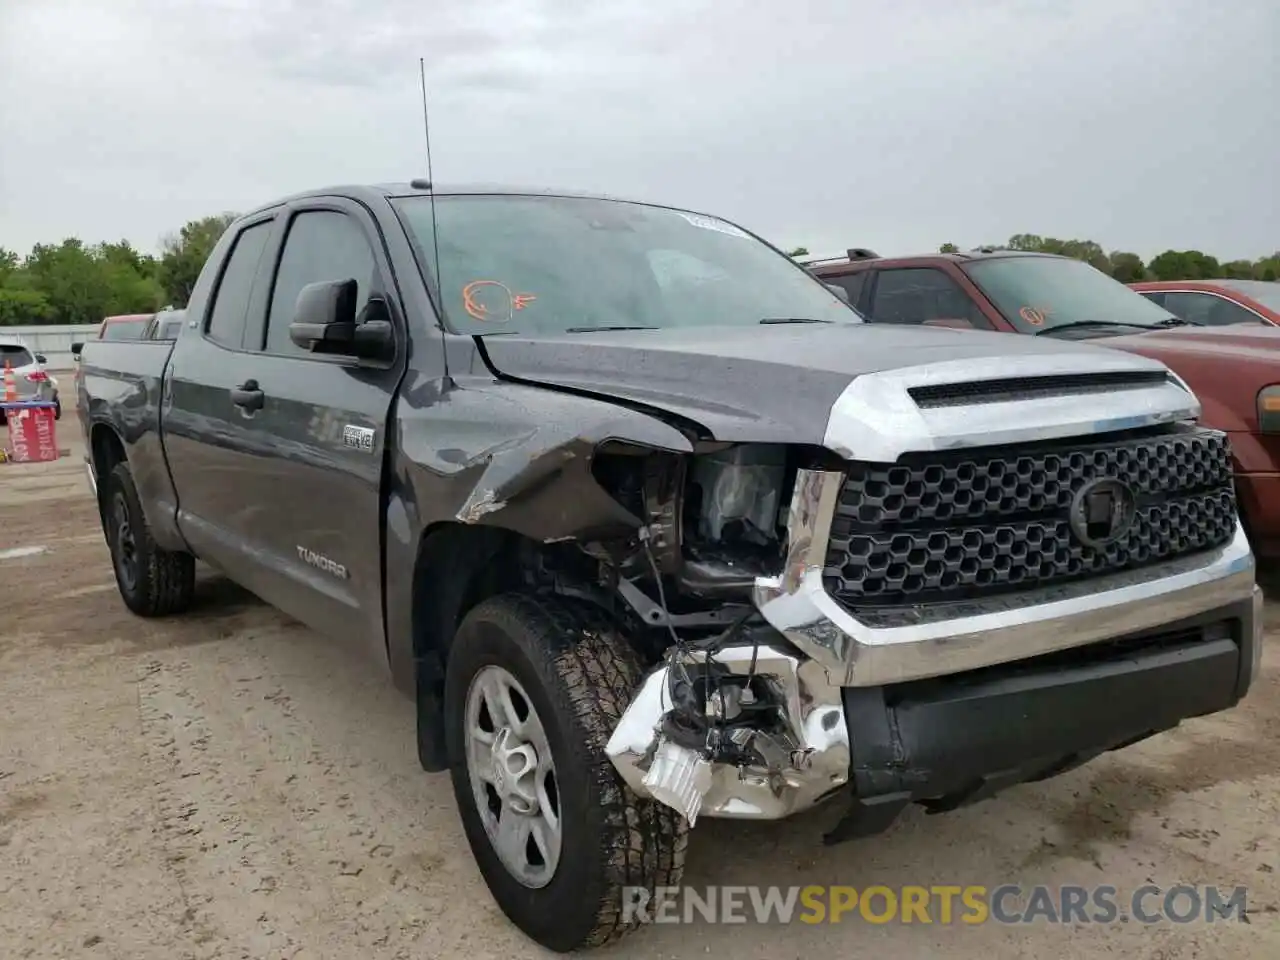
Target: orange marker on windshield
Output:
{"points": [[1033, 316], [474, 295]]}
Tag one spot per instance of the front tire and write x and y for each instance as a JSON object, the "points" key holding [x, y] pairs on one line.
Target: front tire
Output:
{"points": [[527, 676], [152, 582]]}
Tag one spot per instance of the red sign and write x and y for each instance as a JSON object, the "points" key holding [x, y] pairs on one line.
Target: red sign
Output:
{"points": [[32, 438]]}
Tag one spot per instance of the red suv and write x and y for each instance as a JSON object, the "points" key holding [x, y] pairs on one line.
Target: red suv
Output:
{"points": [[1234, 370]]}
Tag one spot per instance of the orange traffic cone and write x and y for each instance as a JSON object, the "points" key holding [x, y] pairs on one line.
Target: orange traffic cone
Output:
{"points": [[10, 384]]}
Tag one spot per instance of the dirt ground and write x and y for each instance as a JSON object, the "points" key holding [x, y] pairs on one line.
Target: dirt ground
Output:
{"points": [[231, 785]]}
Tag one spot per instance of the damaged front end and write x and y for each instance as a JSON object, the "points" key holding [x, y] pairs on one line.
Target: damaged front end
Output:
{"points": [[734, 721], [933, 624], [735, 727]]}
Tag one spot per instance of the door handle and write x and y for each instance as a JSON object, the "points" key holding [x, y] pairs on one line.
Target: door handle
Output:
{"points": [[248, 396]]}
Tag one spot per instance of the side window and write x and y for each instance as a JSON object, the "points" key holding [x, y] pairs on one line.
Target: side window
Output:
{"points": [[231, 299], [1155, 296], [321, 245], [852, 283], [917, 294], [1208, 309]]}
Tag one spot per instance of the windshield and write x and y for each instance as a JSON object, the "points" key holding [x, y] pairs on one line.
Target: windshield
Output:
{"points": [[124, 329], [546, 265], [1266, 292], [1036, 294]]}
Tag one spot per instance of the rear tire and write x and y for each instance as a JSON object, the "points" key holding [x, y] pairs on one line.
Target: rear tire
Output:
{"points": [[152, 582], [565, 675]]}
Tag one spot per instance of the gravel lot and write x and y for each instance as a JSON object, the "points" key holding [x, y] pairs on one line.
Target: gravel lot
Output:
{"points": [[229, 784]]}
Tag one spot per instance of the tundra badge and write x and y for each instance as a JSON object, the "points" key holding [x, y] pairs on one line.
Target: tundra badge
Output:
{"points": [[321, 562], [358, 438]]}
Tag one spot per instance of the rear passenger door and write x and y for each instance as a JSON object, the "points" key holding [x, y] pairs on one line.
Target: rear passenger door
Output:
{"points": [[325, 420], [917, 294], [222, 476]]}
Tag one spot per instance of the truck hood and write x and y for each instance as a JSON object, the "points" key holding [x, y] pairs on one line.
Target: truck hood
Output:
{"points": [[1228, 344], [771, 383]]}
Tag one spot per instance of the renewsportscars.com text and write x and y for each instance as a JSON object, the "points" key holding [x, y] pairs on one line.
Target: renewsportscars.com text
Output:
{"points": [[970, 905]]}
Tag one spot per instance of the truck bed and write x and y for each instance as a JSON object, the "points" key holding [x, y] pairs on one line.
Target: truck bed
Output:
{"points": [[121, 386]]}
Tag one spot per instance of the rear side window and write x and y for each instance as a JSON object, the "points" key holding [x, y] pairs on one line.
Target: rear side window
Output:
{"points": [[15, 356], [231, 300], [321, 245], [125, 329], [1208, 309], [851, 282], [917, 294]]}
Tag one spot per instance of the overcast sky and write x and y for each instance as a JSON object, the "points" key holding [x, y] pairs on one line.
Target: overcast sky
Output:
{"points": [[1142, 124]]}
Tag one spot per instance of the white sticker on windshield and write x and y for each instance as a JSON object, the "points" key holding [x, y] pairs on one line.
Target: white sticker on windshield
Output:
{"points": [[711, 223]]}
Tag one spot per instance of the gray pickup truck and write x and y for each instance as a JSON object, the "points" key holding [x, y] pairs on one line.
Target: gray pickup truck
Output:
{"points": [[652, 527]]}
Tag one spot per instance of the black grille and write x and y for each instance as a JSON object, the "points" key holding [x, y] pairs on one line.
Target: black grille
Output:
{"points": [[1023, 388], [945, 527]]}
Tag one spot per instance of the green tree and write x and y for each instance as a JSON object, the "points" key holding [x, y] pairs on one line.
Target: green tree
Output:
{"points": [[72, 282], [185, 252], [1185, 265], [948, 248], [799, 252], [1127, 267], [1267, 268]]}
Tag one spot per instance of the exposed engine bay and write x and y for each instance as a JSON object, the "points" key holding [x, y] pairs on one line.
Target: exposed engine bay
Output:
{"points": [[730, 721]]}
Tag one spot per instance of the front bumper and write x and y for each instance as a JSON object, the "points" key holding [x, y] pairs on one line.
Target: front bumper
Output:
{"points": [[949, 742], [982, 633]]}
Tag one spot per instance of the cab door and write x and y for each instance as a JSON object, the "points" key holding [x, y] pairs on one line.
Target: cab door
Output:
{"points": [[323, 423], [220, 468]]}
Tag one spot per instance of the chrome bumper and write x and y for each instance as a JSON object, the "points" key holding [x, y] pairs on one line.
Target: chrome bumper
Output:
{"points": [[797, 604]]}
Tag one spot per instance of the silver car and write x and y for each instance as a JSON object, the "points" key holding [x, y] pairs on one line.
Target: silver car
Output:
{"points": [[30, 378]]}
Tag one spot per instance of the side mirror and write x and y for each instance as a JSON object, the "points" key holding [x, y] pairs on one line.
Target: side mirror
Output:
{"points": [[76, 348], [955, 323], [839, 291], [41, 358], [325, 321]]}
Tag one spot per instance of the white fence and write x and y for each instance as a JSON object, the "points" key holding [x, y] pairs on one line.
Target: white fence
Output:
{"points": [[54, 341]]}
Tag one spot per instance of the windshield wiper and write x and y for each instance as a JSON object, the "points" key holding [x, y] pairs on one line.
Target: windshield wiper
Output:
{"points": [[1179, 322], [1096, 323], [793, 320], [599, 329]]}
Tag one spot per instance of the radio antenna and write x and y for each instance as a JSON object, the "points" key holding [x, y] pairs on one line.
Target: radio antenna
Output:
{"points": [[435, 230]]}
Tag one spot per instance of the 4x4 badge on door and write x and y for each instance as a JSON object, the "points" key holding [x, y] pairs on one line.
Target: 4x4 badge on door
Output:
{"points": [[358, 438]]}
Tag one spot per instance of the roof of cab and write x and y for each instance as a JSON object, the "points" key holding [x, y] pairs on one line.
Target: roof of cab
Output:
{"points": [[421, 188]]}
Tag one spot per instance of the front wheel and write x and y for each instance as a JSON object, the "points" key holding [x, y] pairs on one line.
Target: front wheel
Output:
{"points": [[533, 689], [153, 582]]}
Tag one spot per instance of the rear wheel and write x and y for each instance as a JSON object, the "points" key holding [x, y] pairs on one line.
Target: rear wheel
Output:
{"points": [[533, 689], [152, 582]]}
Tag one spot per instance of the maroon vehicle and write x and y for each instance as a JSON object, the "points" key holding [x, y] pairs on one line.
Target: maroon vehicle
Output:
{"points": [[1233, 369]]}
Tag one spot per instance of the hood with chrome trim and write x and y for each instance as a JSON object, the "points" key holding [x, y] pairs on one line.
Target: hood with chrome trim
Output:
{"points": [[772, 383]]}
